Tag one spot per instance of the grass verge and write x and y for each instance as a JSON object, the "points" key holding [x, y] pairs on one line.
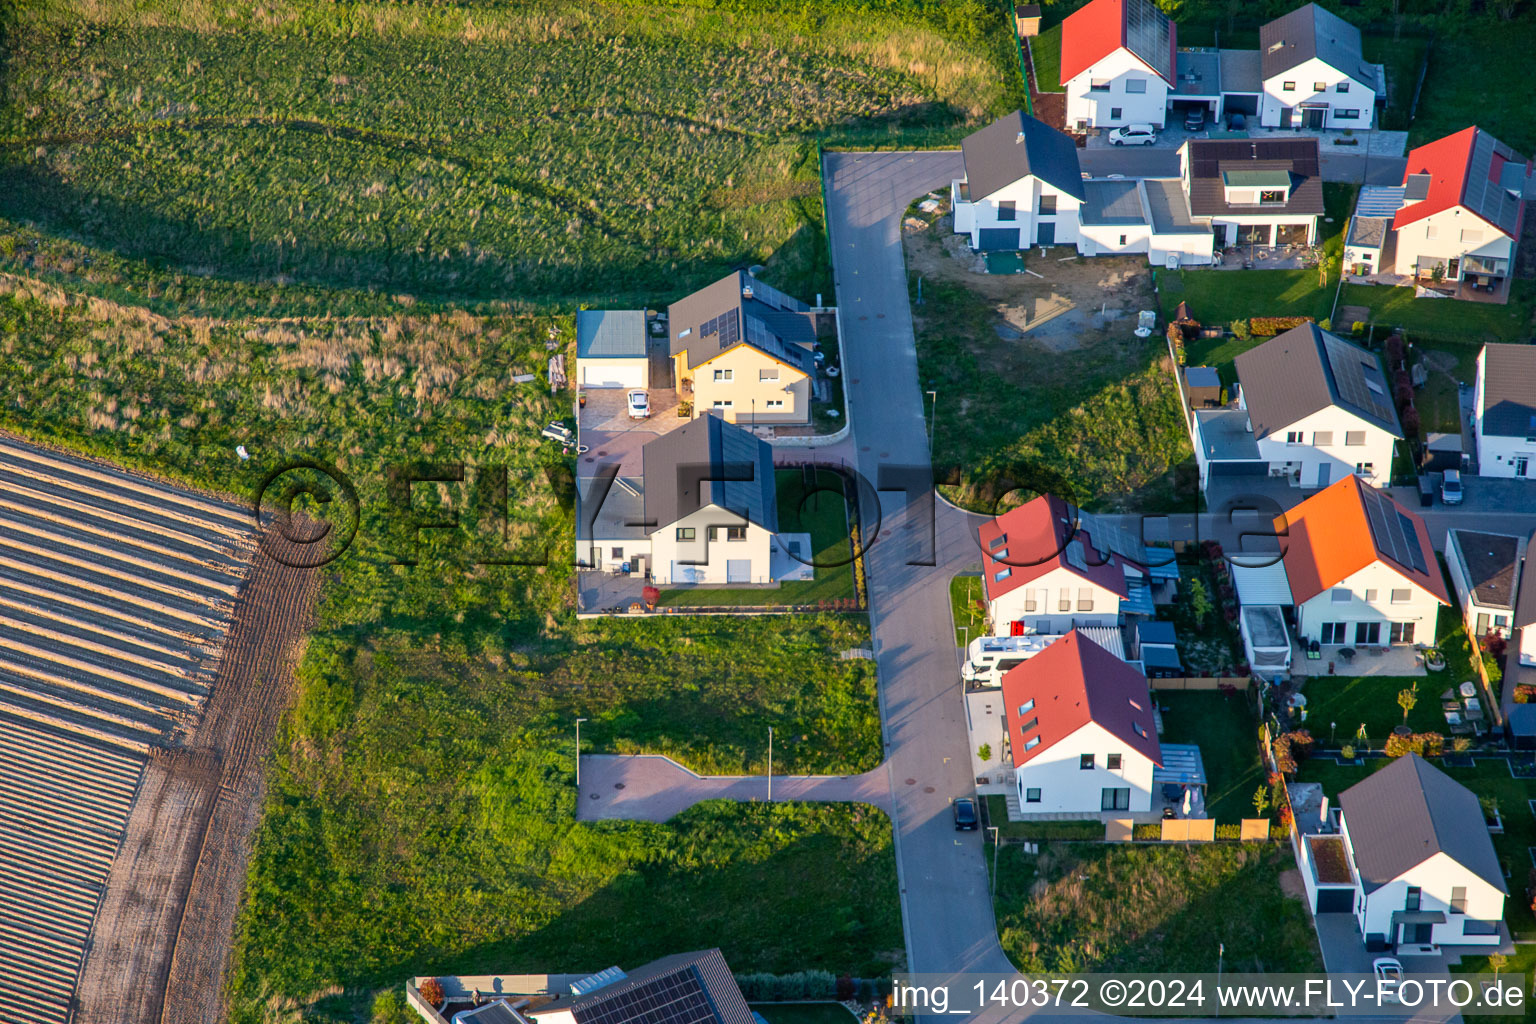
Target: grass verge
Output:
{"points": [[968, 605]]}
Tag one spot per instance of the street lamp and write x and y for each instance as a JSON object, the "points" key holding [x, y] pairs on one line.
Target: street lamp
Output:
{"points": [[996, 839], [770, 764], [578, 755], [932, 420]]}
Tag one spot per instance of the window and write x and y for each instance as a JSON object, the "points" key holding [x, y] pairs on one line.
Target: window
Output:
{"points": [[1371, 594], [1098, 85], [725, 374], [1085, 762], [1115, 799], [997, 541], [774, 403], [1002, 556], [1288, 86], [1346, 115], [724, 403], [768, 373], [1064, 600], [1368, 633], [1471, 235], [1136, 85], [1139, 730], [1333, 632], [735, 533], [1032, 795], [1340, 595], [1113, 762], [684, 333], [1458, 899], [1085, 599], [1365, 469], [1032, 744], [1047, 205], [1114, 113], [1431, 231], [1001, 575], [1354, 437], [1027, 706], [1414, 899], [1322, 438], [1500, 621], [685, 533], [1293, 437], [618, 554], [1402, 596], [1122, 239], [1008, 210], [1402, 632], [1027, 726], [1342, 87], [1319, 86], [1271, 196], [1029, 601]]}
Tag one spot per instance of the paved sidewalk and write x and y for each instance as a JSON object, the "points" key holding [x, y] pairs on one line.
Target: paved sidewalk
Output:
{"points": [[650, 787]]}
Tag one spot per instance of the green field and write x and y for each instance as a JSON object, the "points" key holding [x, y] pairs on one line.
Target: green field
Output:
{"points": [[1152, 908], [1045, 55], [302, 158], [1463, 56]]}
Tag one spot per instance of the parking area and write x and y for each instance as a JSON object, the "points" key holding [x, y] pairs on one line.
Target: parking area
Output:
{"points": [[610, 435], [1376, 143]]}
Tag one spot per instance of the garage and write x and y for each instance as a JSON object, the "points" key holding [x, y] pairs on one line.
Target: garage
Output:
{"points": [[738, 570], [1335, 901], [998, 238], [611, 349]]}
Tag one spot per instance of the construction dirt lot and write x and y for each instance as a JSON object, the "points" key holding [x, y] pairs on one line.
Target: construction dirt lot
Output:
{"points": [[163, 933]]}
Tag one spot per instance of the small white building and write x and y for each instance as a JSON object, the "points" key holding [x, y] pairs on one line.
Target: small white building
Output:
{"points": [[1361, 569], [1082, 737], [1422, 866], [1022, 186], [612, 349], [1485, 570], [1504, 411], [1314, 73], [1117, 64]]}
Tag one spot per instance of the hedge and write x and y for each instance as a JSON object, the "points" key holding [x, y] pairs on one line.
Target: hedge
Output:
{"points": [[1269, 326]]}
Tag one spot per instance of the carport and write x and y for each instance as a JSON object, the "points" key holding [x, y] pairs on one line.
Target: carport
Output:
{"points": [[1197, 83]]}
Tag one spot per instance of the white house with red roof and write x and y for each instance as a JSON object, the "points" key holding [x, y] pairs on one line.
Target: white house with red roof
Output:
{"points": [[1082, 737], [1045, 571], [1453, 224], [1117, 64]]}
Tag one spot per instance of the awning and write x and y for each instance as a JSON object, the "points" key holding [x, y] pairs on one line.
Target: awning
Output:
{"points": [[1413, 916], [1181, 766]]}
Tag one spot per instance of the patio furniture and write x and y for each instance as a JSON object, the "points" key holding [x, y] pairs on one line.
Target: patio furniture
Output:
{"points": [[1376, 651], [1468, 689], [1347, 653]]}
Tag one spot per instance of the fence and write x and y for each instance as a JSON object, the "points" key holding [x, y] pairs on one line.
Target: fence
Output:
{"points": [[1201, 683], [1018, 45], [1490, 698]]}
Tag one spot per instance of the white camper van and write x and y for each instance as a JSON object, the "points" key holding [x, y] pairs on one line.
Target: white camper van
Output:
{"points": [[988, 658]]}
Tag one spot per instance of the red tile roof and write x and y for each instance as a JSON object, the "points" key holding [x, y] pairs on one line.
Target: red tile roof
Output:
{"points": [[1331, 539], [1072, 682], [1098, 29], [1453, 182], [1033, 539]]}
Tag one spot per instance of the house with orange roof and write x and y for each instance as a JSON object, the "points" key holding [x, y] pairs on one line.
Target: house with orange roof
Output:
{"points": [[1048, 567], [1118, 62], [1082, 737], [1361, 569]]}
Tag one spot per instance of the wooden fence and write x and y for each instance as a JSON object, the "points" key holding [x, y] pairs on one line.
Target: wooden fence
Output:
{"points": [[1240, 683]]}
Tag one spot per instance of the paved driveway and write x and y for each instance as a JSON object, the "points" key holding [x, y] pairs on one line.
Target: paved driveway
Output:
{"points": [[648, 787]]}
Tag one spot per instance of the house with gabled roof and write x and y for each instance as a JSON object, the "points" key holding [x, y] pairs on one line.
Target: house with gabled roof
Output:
{"points": [[1361, 569], [1420, 861], [1311, 408], [1117, 64], [1082, 738], [1315, 74], [1022, 186], [1484, 570], [1260, 192], [612, 348], [743, 351], [1504, 411], [684, 988]]}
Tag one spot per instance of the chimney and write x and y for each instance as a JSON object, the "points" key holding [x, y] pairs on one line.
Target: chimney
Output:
{"points": [[1018, 139], [746, 291]]}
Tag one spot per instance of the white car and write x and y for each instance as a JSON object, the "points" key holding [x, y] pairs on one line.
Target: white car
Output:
{"points": [[1450, 487], [639, 405], [1389, 975], [1133, 135]]}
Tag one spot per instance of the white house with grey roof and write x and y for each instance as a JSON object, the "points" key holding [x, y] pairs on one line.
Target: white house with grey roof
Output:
{"points": [[1315, 74], [1422, 866], [1504, 411], [1484, 569], [1311, 408], [612, 349], [1022, 186]]}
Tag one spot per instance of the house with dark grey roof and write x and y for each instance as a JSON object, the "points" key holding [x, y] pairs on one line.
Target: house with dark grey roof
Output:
{"points": [[1520, 659], [1422, 870], [685, 988], [1485, 568], [1504, 411], [743, 351], [1311, 408], [1117, 64], [1261, 192], [1315, 74], [612, 349], [1022, 186]]}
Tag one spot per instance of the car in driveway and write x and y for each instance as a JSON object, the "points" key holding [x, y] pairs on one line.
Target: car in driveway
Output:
{"points": [[1389, 976], [1450, 487], [1133, 135], [1194, 119], [965, 815], [639, 405]]}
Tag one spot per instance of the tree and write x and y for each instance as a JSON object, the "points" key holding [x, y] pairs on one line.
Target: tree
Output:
{"points": [[1199, 601], [1498, 961], [985, 752], [1260, 801], [432, 991], [1406, 699], [650, 595]]}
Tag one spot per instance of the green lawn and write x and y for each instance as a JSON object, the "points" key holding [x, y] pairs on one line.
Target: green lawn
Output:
{"points": [[1227, 733], [1447, 319], [1475, 52], [1045, 55], [1041, 831], [1152, 908], [1403, 58], [967, 603], [805, 1013], [1438, 401], [823, 513]]}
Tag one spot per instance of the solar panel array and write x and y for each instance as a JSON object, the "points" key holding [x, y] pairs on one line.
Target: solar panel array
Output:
{"points": [[1148, 33], [727, 325], [1392, 530], [675, 998], [1354, 371]]}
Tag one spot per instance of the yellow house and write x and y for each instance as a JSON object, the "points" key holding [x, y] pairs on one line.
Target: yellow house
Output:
{"points": [[744, 352]]}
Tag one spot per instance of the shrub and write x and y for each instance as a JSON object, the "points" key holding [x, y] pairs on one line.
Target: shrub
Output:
{"points": [[1292, 748], [1229, 831], [1147, 830], [1425, 744], [1525, 693], [432, 991], [1358, 327], [1240, 330], [845, 988], [1347, 751], [1495, 644], [1269, 326], [985, 752], [1395, 351], [1411, 422]]}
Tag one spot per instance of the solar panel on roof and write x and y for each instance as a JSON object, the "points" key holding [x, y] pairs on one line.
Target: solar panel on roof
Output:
{"points": [[1393, 531], [676, 998], [1075, 558]]}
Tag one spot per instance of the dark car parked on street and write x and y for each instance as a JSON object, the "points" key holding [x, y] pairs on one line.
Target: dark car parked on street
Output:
{"points": [[965, 815]]}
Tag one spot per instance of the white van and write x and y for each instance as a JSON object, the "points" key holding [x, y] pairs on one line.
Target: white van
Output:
{"points": [[989, 658]]}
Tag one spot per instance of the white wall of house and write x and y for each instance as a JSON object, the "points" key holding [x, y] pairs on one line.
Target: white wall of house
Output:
{"points": [[1365, 258], [675, 559], [1193, 250], [1376, 594], [614, 372], [1030, 198], [987, 726], [1452, 234], [1067, 788], [1473, 614], [1498, 455], [1039, 603], [1322, 439], [1114, 239], [1117, 90], [1304, 80], [1527, 652], [1437, 879]]}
